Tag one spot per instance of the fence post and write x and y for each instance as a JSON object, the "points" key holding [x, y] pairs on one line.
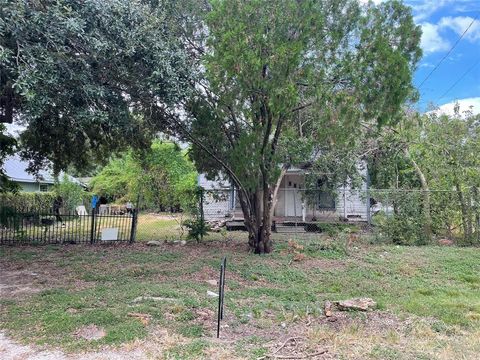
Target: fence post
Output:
{"points": [[202, 215], [92, 227], [134, 226], [221, 294], [369, 215]]}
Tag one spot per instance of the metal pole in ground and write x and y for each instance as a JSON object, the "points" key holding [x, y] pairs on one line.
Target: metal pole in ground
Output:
{"points": [[92, 227], [202, 215], [134, 226], [369, 215], [223, 287], [221, 294]]}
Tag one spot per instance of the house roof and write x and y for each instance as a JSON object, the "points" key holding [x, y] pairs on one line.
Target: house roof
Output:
{"points": [[16, 170]]}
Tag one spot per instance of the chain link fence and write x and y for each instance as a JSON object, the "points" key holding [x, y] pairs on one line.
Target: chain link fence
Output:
{"points": [[408, 217]]}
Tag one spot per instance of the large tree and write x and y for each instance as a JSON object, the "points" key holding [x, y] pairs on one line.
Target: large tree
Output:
{"points": [[434, 158], [269, 64], [88, 77]]}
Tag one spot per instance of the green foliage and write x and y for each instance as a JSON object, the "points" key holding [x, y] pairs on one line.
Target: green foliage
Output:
{"points": [[9, 217], [81, 73], [402, 223], [197, 228], [39, 201], [333, 229], [164, 177], [24, 201], [71, 193], [292, 82], [119, 179], [7, 146], [434, 158]]}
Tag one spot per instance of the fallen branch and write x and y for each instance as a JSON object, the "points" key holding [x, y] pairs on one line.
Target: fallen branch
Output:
{"points": [[299, 356], [285, 343], [275, 356]]}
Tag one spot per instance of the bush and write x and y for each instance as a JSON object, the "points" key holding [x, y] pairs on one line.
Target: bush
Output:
{"points": [[401, 220], [197, 228], [37, 202], [24, 202], [71, 193], [401, 230]]}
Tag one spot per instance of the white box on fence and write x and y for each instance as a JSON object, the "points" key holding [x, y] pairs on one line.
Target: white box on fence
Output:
{"points": [[109, 234]]}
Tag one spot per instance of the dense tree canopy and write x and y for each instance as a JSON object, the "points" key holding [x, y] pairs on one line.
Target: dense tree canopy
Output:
{"points": [[7, 146], [254, 85], [437, 154], [288, 75], [88, 77]]}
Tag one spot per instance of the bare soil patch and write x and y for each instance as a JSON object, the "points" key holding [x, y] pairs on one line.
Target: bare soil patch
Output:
{"points": [[11, 350], [90, 332]]}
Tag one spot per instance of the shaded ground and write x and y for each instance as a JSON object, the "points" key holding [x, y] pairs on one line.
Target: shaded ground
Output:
{"points": [[151, 302]]}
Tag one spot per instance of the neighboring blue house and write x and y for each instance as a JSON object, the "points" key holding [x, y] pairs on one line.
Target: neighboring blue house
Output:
{"points": [[16, 170]]}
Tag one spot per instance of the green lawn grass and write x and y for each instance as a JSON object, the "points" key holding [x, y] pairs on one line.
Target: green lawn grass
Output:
{"points": [[428, 297]]}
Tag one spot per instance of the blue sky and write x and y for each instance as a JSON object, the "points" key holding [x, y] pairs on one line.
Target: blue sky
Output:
{"points": [[443, 22]]}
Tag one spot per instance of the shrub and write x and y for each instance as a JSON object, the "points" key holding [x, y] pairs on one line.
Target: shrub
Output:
{"points": [[70, 192], [197, 228], [37, 202], [24, 202]]}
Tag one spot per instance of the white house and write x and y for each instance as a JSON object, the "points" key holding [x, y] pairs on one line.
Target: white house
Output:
{"points": [[294, 201]]}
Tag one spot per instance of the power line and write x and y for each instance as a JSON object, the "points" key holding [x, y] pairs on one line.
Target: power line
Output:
{"points": [[448, 53], [460, 78]]}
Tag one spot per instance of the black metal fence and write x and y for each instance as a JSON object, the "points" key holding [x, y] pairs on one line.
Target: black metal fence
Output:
{"points": [[79, 227]]}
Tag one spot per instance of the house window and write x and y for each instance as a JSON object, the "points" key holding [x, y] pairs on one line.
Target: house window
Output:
{"points": [[43, 187], [326, 197]]}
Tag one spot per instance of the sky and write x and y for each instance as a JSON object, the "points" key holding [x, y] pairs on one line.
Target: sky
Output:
{"points": [[457, 78]]}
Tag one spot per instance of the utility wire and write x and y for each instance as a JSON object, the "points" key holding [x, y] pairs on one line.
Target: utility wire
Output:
{"points": [[460, 78], [448, 53]]}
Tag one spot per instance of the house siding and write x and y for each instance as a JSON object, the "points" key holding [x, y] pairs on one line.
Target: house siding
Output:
{"points": [[31, 187], [217, 198], [350, 204]]}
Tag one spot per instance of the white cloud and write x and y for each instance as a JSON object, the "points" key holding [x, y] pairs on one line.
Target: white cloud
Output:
{"points": [[376, 2], [432, 36], [423, 9], [466, 104], [432, 41], [426, 65], [459, 24]]}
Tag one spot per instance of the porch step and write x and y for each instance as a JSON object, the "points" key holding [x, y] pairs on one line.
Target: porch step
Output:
{"points": [[290, 229], [235, 225]]}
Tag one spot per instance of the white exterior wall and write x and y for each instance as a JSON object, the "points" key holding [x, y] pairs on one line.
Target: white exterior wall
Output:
{"points": [[217, 198], [350, 204]]}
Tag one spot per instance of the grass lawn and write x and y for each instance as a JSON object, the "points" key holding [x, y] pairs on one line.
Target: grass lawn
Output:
{"points": [[428, 299]]}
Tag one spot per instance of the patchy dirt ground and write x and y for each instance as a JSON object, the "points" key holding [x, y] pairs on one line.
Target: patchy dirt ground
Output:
{"points": [[274, 304], [10, 350]]}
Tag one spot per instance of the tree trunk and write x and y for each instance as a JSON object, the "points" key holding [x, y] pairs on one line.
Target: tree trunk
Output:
{"points": [[258, 219], [277, 187], [425, 195], [466, 221], [476, 212]]}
